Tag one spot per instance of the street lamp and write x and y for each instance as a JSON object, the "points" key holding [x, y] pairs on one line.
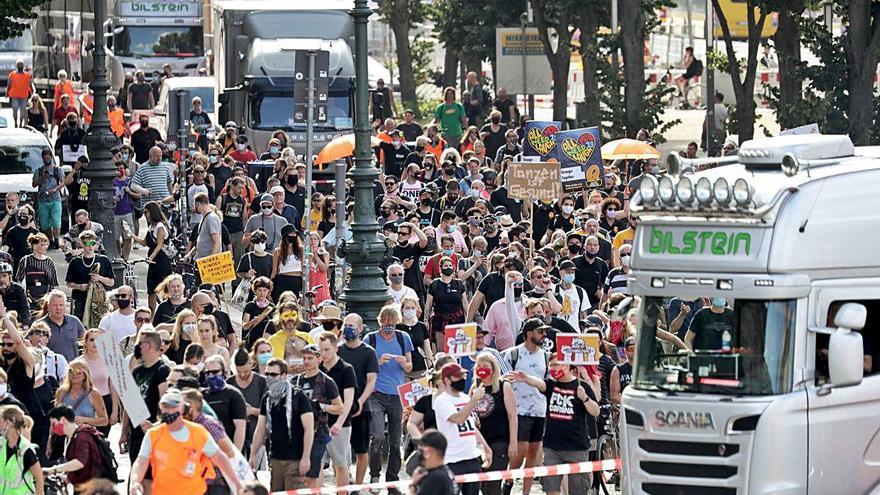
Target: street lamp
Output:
{"points": [[366, 291], [99, 141]]}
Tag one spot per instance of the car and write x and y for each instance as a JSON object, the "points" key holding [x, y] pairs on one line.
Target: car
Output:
{"points": [[165, 114], [21, 154]]}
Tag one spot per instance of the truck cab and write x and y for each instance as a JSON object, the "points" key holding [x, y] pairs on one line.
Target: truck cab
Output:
{"points": [[766, 266]]}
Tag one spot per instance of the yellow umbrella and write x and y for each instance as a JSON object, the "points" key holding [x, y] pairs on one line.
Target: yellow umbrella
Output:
{"points": [[628, 149], [340, 147]]}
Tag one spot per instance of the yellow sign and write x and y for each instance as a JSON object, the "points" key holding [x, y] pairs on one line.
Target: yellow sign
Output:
{"points": [[217, 268]]}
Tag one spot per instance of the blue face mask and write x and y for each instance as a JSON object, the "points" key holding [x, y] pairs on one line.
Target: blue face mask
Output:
{"points": [[719, 302], [448, 252], [215, 382], [349, 333], [264, 357], [452, 228], [273, 150], [568, 278]]}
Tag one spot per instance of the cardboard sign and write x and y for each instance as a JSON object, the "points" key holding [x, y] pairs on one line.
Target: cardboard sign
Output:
{"points": [[70, 152], [580, 159], [217, 268], [131, 396], [804, 129], [537, 180], [575, 348], [540, 139], [411, 392], [460, 340]]}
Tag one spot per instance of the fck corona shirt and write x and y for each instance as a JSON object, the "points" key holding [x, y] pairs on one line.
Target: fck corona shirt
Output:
{"points": [[566, 426]]}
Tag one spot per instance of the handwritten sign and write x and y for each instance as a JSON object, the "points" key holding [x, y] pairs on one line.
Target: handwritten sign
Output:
{"points": [[574, 348], [540, 139], [460, 340], [217, 268], [129, 393], [537, 180], [580, 158], [804, 129], [411, 392]]}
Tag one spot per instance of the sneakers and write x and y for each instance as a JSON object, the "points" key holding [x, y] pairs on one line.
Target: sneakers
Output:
{"points": [[506, 488], [393, 491], [375, 491]]}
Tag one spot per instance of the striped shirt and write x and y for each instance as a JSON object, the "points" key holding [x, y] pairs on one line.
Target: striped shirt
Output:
{"points": [[616, 282], [32, 265], [156, 178]]}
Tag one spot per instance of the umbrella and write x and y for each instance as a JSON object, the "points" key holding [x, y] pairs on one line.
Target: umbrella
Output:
{"points": [[628, 149], [341, 147]]}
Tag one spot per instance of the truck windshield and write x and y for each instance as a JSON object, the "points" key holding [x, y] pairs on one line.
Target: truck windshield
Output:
{"points": [[158, 41], [741, 347], [275, 111], [23, 43]]}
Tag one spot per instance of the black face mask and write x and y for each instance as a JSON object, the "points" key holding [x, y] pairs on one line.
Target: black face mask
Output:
{"points": [[574, 248], [123, 303], [170, 417], [459, 385], [496, 120], [292, 180], [589, 254], [426, 201], [517, 291], [449, 171], [144, 125], [208, 309], [420, 149], [9, 355], [23, 220], [137, 351], [328, 325], [447, 271]]}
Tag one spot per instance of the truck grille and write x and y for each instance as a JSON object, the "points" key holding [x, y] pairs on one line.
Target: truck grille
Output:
{"points": [[688, 470], [666, 489], [707, 449], [657, 466]]}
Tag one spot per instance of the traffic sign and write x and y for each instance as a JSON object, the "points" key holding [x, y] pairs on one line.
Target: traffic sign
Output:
{"points": [[301, 112], [301, 75]]}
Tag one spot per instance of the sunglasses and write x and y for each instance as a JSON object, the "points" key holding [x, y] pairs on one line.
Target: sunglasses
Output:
{"points": [[166, 342], [142, 320], [272, 374], [90, 243], [611, 209], [391, 183], [213, 372], [8, 345], [40, 333], [121, 296], [198, 171]]}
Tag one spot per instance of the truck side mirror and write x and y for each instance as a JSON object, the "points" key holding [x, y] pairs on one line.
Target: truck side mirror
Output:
{"points": [[845, 351]]}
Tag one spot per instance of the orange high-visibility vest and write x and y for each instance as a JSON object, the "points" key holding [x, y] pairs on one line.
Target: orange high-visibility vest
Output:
{"points": [[117, 121], [19, 85], [64, 89], [170, 460]]}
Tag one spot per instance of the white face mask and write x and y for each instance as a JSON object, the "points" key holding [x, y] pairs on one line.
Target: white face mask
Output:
{"points": [[3, 389], [200, 366], [241, 147], [260, 247], [409, 314], [392, 237], [624, 260], [267, 211], [189, 328], [567, 209]]}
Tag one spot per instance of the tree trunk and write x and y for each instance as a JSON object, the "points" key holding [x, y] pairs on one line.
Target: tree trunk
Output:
{"points": [[450, 67], [788, 51], [560, 61], [632, 38], [399, 18], [863, 51], [589, 26]]}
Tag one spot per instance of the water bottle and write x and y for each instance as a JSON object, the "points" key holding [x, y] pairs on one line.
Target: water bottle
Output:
{"points": [[725, 341]]}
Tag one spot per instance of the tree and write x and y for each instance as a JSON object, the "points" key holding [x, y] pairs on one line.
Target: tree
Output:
{"points": [[556, 15], [632, 43], [400, 15], [744, 84], [862, 47], [787, 42], [594, 14], [14, 16]]}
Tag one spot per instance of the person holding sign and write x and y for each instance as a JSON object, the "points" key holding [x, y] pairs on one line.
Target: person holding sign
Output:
{"points": [[497, 413], [447, 298], [572, 407]]}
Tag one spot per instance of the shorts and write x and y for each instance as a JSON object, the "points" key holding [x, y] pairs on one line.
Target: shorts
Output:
{"points": [[50, 214], [285, 475], [19, 104], [117, 224], [360, 432], [338, 451], [531, 429], [317, 456], [578, 484]]}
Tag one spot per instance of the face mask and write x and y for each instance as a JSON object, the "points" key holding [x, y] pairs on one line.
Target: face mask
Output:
{"points": [[189, 328], [199, 366], [349, 333], [213, 158], [574, 248], [263, 358], [170, 417], [447, 271], [557, 374], [474, 193], [125, 157], [425, 201], [396, 279], [273, 150], [490, 227], [266, 211], [208, 309], [449, 171], [260, 247], [483, 372], [567, 209], [591, 254], [215, 382], [328, 325], [477, 254], [496, 120], [568, 278], [71, 123], [23, 220], [452, 228], [123, 303], [420, 149], [3, 389], [612, 214], [47, 161], [241, 147], [719, 302], [517, 291], [624, 260], [396, 143], [392, 237], [144, 124], [409, 314], [448, 252], [387, 329], [137, 351], [459, 385], [58, 429]]}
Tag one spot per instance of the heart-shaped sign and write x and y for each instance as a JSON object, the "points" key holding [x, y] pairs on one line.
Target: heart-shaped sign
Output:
{"points": [[542, 141], [579, 150]]}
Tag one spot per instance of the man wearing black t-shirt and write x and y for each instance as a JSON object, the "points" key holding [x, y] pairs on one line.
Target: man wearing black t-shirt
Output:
{"points": [[409, 253], [706, 331], [85, 269], [342, 373], [318, 387], [433, 477], [150, 376], [394, 154]]}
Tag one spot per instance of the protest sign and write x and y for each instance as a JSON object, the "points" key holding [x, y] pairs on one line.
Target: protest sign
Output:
{"points": [[412, 391], [804, 129], [538, 180], [575, 348], [217, 268], [460, 340], [129, 394], [580, 159], [540, 140]]}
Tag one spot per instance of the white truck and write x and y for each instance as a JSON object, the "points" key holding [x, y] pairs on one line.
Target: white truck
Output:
{"points": [[147, 34], [775, 253]]}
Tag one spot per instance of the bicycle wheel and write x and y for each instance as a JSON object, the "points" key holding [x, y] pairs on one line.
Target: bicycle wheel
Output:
{"points": [[607, 450]]}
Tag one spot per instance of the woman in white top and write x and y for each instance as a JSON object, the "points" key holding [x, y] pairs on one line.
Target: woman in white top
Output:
{"points": [[410, 187], [100, 375], [287, 263], [208, 335]]}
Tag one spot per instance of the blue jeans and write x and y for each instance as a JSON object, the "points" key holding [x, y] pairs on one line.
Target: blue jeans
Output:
{"points": [[381, 405]]}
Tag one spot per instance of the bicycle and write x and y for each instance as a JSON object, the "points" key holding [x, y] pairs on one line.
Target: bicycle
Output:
{"points": [[607, 446], [129, 277]]}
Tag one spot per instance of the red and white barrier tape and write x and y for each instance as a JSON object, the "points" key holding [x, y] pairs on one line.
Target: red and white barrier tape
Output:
{"points": [[534, 472]]}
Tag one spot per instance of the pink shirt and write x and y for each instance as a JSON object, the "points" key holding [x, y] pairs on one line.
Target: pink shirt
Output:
{"points": [[100, 376], [497, 324]]}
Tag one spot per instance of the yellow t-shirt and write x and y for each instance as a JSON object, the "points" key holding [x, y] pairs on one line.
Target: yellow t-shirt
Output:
{"points": [[278, 341], [625, 236]]}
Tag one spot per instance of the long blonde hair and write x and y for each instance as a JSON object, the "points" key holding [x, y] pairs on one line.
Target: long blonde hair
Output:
{"points": [[494, 379], [178, 328], [87, 380]]}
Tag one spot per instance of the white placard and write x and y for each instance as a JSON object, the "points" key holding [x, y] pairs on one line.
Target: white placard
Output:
{"points": [[69, 153], [123, 381], [510, 52], [804, 129]]}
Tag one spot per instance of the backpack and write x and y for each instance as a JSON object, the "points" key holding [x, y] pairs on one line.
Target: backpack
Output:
{"points": [[108, 465], [371, 339], [514, 357]]}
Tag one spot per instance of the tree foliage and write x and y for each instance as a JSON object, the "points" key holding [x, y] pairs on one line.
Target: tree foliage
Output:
{"points": [[14, 16]]}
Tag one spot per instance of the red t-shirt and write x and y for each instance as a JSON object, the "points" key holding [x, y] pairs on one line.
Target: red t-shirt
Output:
{"points": [[432, 268], [84, 449], [61, 113], [243, 156]]}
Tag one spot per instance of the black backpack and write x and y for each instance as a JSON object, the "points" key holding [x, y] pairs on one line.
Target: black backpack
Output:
{"points": [[109, 466], [371, 339]]}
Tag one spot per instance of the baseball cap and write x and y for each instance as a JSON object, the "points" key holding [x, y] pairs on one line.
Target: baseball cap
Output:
{"points": [[230, 125], [276, 189], [481, 330], [311, 349], [451, 370], [172, 397], [533, 324], [567, 265], [266, 198]]}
